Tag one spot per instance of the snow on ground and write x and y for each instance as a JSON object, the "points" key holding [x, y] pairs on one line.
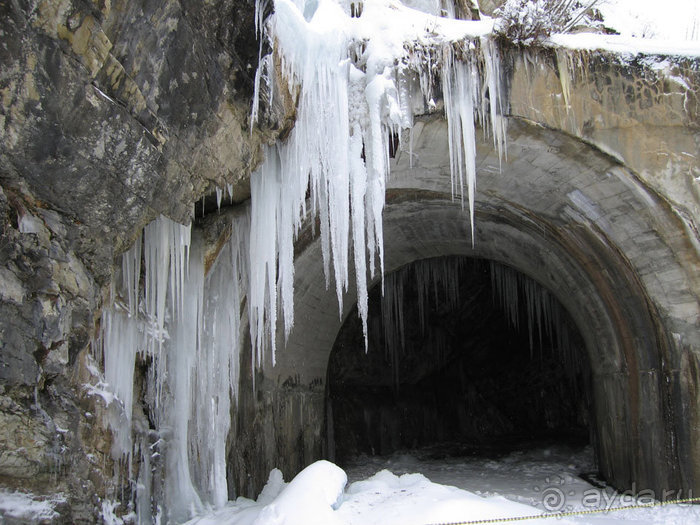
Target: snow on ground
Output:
{"points": [[25, 506], [429, 487]]}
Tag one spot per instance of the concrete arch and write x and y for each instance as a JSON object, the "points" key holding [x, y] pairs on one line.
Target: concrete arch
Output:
{"points": [[582, 225]]}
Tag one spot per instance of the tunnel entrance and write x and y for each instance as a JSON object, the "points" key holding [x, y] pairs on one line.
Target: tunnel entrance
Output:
{"points": [[568, 216], [464, 353]]}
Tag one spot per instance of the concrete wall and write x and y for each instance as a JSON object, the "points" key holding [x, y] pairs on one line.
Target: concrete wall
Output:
{"points": [[612, 250]]}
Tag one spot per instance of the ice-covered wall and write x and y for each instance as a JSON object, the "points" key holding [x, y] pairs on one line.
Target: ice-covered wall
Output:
{"points": [[112, 113]]}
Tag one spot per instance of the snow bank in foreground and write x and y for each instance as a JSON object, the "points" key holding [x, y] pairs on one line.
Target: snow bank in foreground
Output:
{"points": [[413, 499], [315, 497], [309, 499], [539, 482]]}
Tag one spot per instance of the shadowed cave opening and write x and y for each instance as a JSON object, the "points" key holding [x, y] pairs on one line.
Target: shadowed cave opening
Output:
{"points": [[465, 357]]}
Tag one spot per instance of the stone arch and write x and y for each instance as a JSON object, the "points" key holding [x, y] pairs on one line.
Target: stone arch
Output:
{"points": [[582, 225]]}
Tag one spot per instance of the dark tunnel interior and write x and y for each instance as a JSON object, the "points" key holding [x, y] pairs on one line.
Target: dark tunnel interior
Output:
{"points": [[465, 354]]}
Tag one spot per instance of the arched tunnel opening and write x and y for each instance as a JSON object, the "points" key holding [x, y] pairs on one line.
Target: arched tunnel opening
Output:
{"points": [[559, 215], [465, 357]]}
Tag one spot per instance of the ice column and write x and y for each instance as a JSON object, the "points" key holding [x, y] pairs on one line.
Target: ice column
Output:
{"points": [[187, 328]]}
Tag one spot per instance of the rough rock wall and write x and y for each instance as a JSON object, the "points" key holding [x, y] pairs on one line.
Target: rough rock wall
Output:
{"points": [[111, 112]]}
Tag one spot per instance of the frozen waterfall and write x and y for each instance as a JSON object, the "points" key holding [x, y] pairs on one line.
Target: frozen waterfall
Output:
{"points": [[358, 81]]}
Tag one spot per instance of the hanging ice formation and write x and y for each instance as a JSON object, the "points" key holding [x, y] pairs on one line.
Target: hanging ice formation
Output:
{"points": [[358, 81], [185, 327], [436, 281], [519, 296]]}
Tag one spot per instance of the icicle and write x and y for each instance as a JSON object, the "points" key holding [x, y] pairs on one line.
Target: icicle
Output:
{"points": [[156, 265], [459, 91], [271, 240], [441, 275], [497, 111], [219, 196], [131, 273], [194, 364], [564, 76], [393, 321], [182, 498], [144, 485], [261, 75], [120, 339], [263, 251], [259, 17], [324, 155], [359, 189], [342, 154], [542, 310], [216, 372]]}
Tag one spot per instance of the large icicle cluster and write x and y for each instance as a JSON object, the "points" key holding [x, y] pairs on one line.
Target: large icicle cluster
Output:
{"points": [[359, 81], [525, 303], [185, 327], [521, 297]]}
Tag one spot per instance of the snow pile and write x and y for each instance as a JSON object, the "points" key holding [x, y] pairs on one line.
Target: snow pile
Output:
{"points": [[674, 20], [646, 27], [413, 499], [27, 507], [624, 46], [546, 481], [316, 497], [309, 499], [526, 21], [391, 491], [671, 26]]}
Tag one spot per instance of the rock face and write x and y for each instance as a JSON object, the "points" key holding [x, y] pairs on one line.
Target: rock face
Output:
{"points": [[150, 100], [111, 112]]}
